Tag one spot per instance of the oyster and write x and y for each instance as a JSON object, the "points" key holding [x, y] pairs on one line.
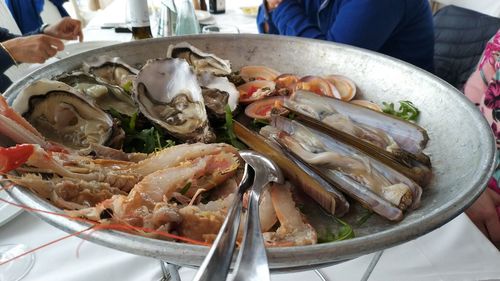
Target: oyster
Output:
{"points": [[198, 59], [217, 93], [112, 70], [106, 96], [62, 114], [168, 93]]}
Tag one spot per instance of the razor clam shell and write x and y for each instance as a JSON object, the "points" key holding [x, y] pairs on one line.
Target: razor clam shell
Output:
{"points": [[116, 98], [405, 163], [392, 175], [162, 83], [323, 193], [198, 59], [397, 128], [45, 88]]}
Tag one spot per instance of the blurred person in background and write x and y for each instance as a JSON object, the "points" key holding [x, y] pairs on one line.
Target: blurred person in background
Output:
{"points": [[399, 28], [483, 89], [27, 13], [36, 46]]}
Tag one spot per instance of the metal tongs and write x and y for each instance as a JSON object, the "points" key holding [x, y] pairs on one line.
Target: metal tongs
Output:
{"points": [[251, 263]]}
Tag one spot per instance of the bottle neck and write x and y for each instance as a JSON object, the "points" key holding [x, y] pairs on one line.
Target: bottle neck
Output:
{"points": [[139, 19]]}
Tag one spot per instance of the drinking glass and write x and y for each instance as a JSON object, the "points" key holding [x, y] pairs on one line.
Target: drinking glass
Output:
{"points": [[218, 28], [15, 270]]}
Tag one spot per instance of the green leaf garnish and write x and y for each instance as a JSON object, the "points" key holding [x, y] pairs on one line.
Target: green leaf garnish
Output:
{"points": [[345, 232], [230, 129], [128, 87], [185, 189], [406, 110]]}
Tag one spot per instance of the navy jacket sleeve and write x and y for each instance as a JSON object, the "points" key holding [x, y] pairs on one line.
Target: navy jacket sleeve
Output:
{"points": [[363, 23]]}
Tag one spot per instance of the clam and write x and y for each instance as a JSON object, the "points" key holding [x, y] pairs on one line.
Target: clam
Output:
{"points": [[168, 94], [357, 174], [317, 85], [398, 137], [263, 109], [326, 195], [258, 72], [112, 70], [345, 86], [106, 96], [64, 115], [256, 90], [198, 59]]}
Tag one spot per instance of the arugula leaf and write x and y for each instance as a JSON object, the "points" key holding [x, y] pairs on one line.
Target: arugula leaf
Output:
{"points": [[345, 232], [128, 86], [230, 129], [406, 110], [185, 189], [364, 217]]}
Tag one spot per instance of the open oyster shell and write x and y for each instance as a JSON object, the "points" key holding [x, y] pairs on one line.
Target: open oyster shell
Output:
{"points": [[62, 114], [200, 60], [112, 70], [105, 95], [168, 93]]}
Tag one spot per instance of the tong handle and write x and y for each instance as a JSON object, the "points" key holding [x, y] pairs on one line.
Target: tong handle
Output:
{"points": [[251, 263], [217, 262]]}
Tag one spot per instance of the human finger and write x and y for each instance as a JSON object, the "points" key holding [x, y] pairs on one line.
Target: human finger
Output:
{"points": [[57, 43], [494, 196], [493, 226], [483, 229]]}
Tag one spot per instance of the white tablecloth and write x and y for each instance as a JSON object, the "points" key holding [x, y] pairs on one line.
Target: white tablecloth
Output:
{"points": [[489, 7], [454, 252]]}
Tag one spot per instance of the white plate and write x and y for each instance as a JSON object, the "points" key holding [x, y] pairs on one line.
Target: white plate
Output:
{"points": [[76, 48], [7, 211], [202, 15]]}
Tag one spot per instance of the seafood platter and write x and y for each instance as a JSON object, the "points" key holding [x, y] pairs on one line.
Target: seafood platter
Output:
{"points": [[135, 146]]}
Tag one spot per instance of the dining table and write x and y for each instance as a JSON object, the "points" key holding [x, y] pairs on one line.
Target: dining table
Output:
{"points": [[455, 251]]}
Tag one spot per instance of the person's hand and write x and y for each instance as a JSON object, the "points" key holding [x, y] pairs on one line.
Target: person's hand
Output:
{"points": [[33, 49], [272, 4], [67, 28], [484, 215]]}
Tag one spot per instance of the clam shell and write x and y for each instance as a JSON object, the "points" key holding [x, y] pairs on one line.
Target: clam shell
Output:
{"points": [[258, 72]]}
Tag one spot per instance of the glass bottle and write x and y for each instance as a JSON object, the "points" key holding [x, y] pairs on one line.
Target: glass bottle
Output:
{"points": [[186, 19], [139, 19], [217, 6]]}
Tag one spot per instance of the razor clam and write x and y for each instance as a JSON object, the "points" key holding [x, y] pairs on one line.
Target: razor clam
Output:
{"points": [[105, 95], [168, 93], [355, 120], [62, 114], [198, 59], [217, 93], [394, 141], [328, 154], [321, 191], [112, 70]]}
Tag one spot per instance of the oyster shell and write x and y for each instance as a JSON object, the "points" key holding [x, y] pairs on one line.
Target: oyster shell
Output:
{"points": [[105, 95], [168, 93], [63, 115], [217, 93], [112, 70], [198, 59]]}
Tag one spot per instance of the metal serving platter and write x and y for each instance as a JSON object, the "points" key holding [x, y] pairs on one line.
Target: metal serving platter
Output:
{"points": [[461, 144]]}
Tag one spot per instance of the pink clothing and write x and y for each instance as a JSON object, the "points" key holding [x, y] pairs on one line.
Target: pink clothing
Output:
{"points": [[483, 86]]}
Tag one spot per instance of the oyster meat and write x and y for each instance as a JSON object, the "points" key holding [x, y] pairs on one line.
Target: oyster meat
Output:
{"points": [[112, 70], [168, 93], [63, 115], [217, 93], [106, 96]]}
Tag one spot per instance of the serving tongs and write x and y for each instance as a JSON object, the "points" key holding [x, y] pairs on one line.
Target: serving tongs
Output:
{"points": [[251, 263]]}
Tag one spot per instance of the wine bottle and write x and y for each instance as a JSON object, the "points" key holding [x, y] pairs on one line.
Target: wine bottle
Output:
{"points": [[139, 19], [186, 19], [217, 6], [203, 5]]}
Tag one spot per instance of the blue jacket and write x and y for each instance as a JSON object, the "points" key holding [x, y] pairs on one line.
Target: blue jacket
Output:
{"points": [[399, 28], [27, 12]]}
